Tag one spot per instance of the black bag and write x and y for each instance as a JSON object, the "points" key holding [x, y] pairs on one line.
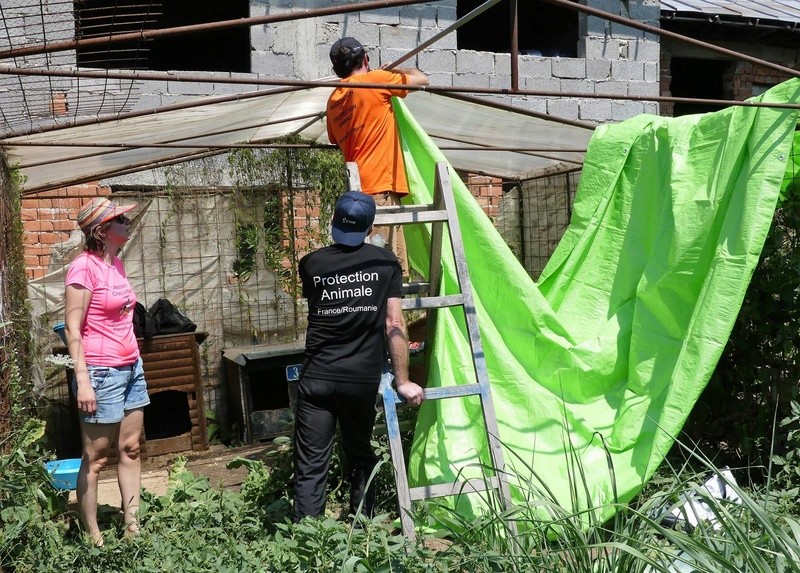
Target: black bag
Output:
{"points": [[169, 320], [143, 324]]}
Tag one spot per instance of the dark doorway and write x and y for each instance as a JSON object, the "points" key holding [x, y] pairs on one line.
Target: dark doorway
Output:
{"points": [[695, 78]]}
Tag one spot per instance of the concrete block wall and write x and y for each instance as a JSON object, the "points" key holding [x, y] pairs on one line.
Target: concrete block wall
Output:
{"points": [[613, 60]]}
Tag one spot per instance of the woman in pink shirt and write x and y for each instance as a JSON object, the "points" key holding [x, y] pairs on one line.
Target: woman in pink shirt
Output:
{"points": [[109, 380]]}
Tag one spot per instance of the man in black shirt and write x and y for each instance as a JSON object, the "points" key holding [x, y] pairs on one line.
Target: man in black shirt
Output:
{"points": [[354, 306]]}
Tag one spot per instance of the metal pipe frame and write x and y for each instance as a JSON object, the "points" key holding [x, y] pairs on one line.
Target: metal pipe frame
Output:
{"points": [[450, 92]]}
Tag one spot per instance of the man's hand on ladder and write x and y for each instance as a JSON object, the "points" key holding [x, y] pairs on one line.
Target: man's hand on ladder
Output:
{"points": [[411, 392]]}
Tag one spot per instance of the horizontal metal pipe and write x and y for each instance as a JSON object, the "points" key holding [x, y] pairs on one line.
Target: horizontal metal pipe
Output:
{"points": [[267, 145], [206, 27], [333, 83]]}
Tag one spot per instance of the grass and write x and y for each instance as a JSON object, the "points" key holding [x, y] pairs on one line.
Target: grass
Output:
{"points": [[197, 528]]}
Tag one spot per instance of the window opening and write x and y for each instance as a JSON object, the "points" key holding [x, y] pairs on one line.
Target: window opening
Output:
{"points": [[543, 29], [213, 51]]}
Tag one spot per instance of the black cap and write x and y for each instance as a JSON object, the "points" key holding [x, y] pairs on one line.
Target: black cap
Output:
{"points": [[352, 218], [346, 54]]}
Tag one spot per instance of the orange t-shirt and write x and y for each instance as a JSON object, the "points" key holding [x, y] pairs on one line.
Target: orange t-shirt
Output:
{"points": [[361, 122]]}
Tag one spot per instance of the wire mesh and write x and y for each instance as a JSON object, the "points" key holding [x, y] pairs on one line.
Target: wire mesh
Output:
{"points": [[30, 101]]}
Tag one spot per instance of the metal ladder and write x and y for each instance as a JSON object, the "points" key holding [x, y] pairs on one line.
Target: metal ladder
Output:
{"points": [[442, 213]]}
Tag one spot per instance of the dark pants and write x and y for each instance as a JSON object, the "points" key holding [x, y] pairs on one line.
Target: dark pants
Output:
{"points": [[320, 404]]}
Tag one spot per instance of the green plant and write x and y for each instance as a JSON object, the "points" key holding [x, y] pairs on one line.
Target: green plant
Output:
{"points": [[759, 369], [32, 512]]}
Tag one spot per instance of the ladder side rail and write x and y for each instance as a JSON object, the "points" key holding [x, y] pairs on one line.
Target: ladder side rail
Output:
{"points": [[390, 399], [353, 179], [445, 190]]}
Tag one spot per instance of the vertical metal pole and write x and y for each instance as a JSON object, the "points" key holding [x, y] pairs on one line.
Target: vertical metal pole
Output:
{"points": [[514, 45]]}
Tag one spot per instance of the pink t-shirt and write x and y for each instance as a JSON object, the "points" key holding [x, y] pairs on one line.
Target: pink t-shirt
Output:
{"points": [[107, 331]]}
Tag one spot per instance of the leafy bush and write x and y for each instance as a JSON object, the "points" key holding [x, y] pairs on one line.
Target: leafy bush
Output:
{"points": [[757, 377]]}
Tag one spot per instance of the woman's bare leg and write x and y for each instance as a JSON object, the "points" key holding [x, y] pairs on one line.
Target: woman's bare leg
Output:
{"points": [[129, 470], [97, 440]]}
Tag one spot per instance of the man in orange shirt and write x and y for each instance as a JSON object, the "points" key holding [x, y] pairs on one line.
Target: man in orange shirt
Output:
{"points": [[362, 123]]}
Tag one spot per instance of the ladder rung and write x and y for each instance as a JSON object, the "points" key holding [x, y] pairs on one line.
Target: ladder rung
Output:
{"points": [[454, 488], [444, 392], [411, 216], [416, 288], [433, 301]]}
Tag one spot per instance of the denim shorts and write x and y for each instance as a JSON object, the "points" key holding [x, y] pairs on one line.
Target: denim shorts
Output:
{"points": [[117, 390]]}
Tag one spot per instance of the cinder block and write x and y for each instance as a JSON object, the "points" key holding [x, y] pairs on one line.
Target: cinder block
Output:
{"points": [[503, 82], [599, 48], [446, 42], [612, 6], [652, 107], [381, 16], [566, 108], [262, 38], [403, 37], [418, 15], [593, 26], [645, 12], [446, 15], [471, 62], [572, 68], [623, 31], [577, 86], [148, 101], [471, 80], [598, 69], [285, 39], [537, 105], [391, 55], [149, 87], [643, 88], [367, 34], [595, 110], [441, 79], [643, 51], [189, 88], [652, 71], [627, 71], [622, 110], [273, 65], [437, 61], [547, 84], [611, 88], [535, 67]]}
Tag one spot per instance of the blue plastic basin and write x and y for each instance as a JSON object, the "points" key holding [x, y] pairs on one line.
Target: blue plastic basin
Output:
{"points": [[60, 329], [64, 473]]}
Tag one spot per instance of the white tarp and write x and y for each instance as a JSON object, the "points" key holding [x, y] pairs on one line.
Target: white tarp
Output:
{"points": [[449, 121]]}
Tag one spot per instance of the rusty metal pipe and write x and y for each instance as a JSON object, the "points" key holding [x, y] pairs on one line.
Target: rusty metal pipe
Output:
{"points": [[514, 48]]}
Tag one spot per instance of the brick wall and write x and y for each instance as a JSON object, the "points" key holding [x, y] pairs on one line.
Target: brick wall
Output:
{"points": [[48, 219], [487, 190], [746, 75]]}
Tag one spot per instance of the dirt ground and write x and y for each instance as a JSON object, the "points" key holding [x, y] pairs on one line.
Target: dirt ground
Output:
{"points": [[155, 471]]}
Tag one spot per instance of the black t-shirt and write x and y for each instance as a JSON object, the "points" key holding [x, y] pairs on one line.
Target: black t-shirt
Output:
{"points": [[347, 289]]}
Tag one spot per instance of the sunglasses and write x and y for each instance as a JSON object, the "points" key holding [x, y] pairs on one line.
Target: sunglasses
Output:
{"points": [[122, 220]]}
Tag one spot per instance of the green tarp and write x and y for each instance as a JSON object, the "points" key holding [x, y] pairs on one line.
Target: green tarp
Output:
{"points": [[602, 359]]}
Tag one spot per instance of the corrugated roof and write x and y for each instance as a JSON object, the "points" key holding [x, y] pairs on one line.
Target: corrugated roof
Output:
{"points": [[784, 11]]}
